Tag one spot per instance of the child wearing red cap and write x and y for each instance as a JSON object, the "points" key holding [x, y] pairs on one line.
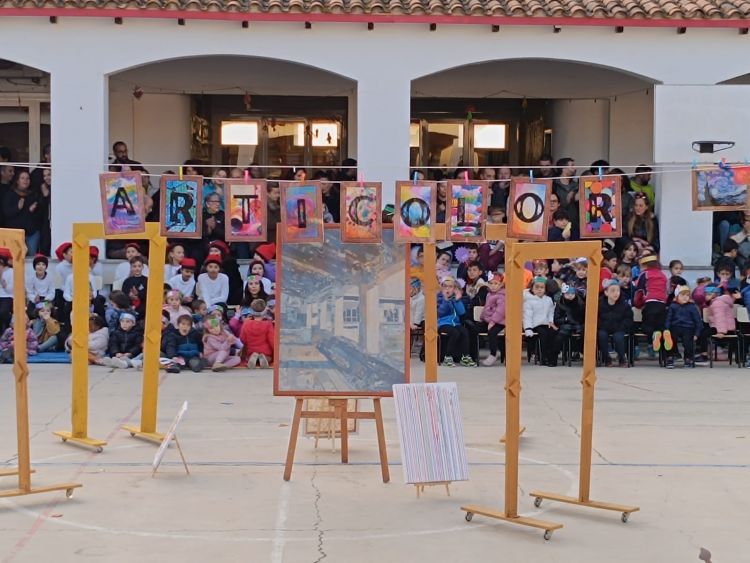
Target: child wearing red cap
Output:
{"points": [[267, 254], [257, 336], [213, 286], [184, 281], [230, 268], [64, 268]]}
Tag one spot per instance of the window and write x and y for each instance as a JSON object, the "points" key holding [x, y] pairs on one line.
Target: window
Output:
{"points": [[351, 314]]}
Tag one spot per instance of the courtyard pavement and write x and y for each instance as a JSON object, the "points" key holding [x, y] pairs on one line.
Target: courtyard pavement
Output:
{"points": [[676, 443]]}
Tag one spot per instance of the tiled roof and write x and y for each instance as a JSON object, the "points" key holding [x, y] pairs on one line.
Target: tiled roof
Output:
{"points": [[619, 9]]}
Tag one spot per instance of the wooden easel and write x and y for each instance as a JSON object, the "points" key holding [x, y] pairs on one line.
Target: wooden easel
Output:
{"points": [[340, 412], [14, 240], [420, 487], [168, 437]]}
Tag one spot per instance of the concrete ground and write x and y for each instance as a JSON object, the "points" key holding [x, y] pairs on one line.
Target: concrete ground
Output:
{"points": [[676, 443]]}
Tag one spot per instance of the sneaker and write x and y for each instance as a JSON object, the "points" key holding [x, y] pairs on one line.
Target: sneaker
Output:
{"points": [[173, 368], [448, 362], [489, 361], [656, 344], [118, 363], [263, 361], [252, 361], [468, 361], [669, 364], [689, 364], [668, 340], [701, 360], [137, 364], [218, 366], [623, 364], [105, 361]]}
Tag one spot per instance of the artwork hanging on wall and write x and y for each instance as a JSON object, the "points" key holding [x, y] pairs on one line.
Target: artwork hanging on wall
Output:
{"points": [[341, 309], [467, 210], [361, 220], [721, 188], [416, 211], [600, 207], [123, 209], [180, 200], [246, 211], [302, 212], [528, 209]]}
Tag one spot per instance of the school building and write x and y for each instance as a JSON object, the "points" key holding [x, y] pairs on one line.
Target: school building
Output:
{"points": [[393, 83]]}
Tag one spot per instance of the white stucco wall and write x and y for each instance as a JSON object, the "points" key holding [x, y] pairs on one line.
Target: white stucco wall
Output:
{"points": [[580, 130], [631, 128]]}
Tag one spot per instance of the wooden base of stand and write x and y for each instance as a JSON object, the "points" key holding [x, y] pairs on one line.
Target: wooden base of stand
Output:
{"points": [[548, 527], [135, 431], [67, 487], [11, 472], [85, 441], [626, 510], [340, 412], [520, 432], [420, 487]]}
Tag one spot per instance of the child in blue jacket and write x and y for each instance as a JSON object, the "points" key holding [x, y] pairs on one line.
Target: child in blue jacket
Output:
{"points": [[684, 324], [450, 310]]}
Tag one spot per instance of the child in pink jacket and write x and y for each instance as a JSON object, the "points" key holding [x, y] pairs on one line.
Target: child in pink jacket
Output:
{"points": [[218, 343], [493, 315], [721, 310]]}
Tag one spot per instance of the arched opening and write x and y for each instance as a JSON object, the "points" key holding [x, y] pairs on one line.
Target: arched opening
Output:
{"points": [[513, 111], [232, 111]]}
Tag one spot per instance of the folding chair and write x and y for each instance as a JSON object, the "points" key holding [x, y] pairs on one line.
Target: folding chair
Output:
{"points": [[478, 319], [743, 328]]}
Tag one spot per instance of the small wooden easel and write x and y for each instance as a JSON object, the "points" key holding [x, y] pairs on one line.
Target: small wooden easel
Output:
{"points": [[420, 487], [341, 412]]}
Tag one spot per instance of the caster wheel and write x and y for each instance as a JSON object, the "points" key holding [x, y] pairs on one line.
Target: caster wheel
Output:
{"points": [[69, 493], [64, 439], [469, 516], [99, 450], [538, 502], [547, 534], [132, 434], [625, 516]]}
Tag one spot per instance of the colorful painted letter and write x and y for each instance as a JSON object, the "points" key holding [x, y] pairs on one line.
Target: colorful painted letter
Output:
{"points": [[360, 212], [180, 206], [528, 212], [246, 211], [302, 212], [601, 208], [414, 218], [468, 211], [122, 203]]}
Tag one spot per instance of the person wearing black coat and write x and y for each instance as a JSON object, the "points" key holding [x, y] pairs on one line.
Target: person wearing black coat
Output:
{"points": [[569, 317], [21, 210], [615, 320], [123, 343]]}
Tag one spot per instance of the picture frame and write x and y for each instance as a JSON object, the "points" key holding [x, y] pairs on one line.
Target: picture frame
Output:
{"points": [[723, 187], [302, 212], [360, 212], [466, 215], [415, 214], [246, 211], [181, 204], [341, 310], [600, 207], [123, 205], [528, 209]]}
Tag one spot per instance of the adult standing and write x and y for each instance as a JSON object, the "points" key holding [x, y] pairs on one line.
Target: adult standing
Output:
{"points": [[566, 187], [331, 194], [501, 189], [546, 170], [122, 158], [641, 183], [213, 224], [6, 182], [274, 210], [642, 226], [22, 211], [45, 211]]}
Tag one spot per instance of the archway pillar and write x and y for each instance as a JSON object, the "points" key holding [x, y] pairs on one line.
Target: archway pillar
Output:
{"points": [[383, 114], [80, 127]]}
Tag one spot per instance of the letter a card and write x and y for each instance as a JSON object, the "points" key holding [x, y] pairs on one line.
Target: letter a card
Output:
{"points": [[122, 203], [246, 211], [302, 212], [361, 220], [528, 209], [181, 213], [415, 215]]}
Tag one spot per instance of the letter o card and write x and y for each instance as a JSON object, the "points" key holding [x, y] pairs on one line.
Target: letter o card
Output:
{"points": [[416, 212], [361, 219], [181, 211], [302, 212], [528, 209], [123, 205], [246, 211]]}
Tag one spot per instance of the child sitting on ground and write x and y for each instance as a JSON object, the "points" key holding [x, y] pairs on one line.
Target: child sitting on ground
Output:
{"points": [[118, 303], [450, 310], [174, 307], [218, 344], [8, 343], [538, 317], [213, 285], [257, 336], [493, 317], [45, 327], [683, 324], [615, 320], [125, 343], [184, 346], [98, 339]]}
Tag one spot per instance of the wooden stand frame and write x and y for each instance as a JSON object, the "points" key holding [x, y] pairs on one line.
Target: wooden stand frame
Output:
{"points": [[14, 240], [341, 412], [83, 233], [521, 253]]}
